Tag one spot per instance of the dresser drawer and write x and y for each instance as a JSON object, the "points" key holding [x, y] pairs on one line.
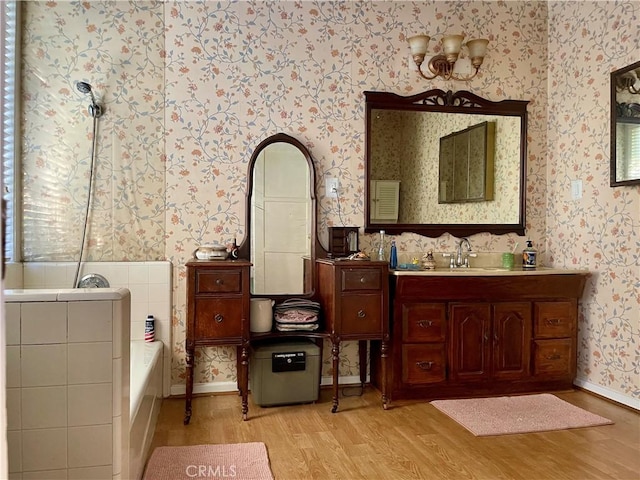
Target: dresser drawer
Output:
{"points": [[554, 319], [423, 363], [218, 281], [361, 314], [361, 279], [553, 357], [423, 322], [218, 318]]}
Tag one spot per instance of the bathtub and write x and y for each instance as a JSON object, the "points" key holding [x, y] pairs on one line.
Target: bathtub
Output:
{"points": [[92, 395]]}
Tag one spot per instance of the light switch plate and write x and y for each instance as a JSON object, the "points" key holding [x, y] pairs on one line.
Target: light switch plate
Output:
{"points": [[576, 189]]}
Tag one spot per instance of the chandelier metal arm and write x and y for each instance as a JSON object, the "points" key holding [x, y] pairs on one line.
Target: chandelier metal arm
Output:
{"points": [[439, 66]]}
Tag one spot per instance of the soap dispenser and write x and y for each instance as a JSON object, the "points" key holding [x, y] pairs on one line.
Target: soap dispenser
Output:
{"points": [[529, 256]]}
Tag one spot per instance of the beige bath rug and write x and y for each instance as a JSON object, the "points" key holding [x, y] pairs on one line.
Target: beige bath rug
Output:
{"points": [[517, 414], [240, 461]]}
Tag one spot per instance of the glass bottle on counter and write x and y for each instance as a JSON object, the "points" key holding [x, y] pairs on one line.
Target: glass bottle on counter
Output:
{"points": [[393, 257], [381, 255]]}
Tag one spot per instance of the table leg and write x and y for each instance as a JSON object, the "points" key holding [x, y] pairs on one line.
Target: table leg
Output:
{"points": [[384, 354], [362, 353], [189, 393], [335, 355], [243, 373]]}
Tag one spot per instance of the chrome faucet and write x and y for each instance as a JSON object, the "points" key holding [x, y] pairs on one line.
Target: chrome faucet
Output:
{"points": [[461, 259]]}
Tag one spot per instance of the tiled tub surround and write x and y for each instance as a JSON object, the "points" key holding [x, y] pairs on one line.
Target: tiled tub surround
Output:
{"points": [[148, 282], [68, 383]]}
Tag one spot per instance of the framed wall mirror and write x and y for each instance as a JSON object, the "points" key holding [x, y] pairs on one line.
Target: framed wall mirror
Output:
{"points": [[403, 136], [281, 239], [625, 126]]}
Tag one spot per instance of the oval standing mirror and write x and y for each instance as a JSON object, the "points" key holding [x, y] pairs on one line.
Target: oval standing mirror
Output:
{"points": [[281, 232], [625, 126], [441, 162]]}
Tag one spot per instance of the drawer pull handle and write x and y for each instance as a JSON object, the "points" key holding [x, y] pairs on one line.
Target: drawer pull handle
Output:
{"points": [[218, 318], [361, 314], [424, 365], [362, 279], [425, 323], [554, 321], [555, 356], [219, 281]]}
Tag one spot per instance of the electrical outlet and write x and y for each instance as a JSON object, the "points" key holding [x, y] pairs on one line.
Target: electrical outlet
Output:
{"points": [[331, 185]]}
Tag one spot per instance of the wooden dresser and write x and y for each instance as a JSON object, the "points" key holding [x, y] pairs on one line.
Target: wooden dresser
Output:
{"points": [[354, 296], [463, 336], [218, 303]]}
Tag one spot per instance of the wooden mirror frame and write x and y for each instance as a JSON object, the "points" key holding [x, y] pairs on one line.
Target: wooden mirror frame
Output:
{"points": [[616, 83], [446, 102], [244, 249]]}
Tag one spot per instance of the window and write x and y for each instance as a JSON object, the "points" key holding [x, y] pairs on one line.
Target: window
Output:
{"points": [[8, 116]]}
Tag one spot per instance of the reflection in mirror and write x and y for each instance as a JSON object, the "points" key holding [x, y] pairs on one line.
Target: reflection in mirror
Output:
{"points": [[281, 237], [403, 146], [625, 126]]}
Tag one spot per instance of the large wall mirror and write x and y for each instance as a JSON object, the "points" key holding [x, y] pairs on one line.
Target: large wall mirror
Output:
{"points": [[281, 239], [625, 126], [403, 154]]}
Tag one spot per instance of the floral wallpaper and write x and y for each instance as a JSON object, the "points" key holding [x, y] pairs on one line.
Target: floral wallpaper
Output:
{"points": [[192, 87]]}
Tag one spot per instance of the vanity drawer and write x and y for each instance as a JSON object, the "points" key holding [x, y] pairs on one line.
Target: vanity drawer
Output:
{"points": [[553, 357], [554, 319], [218, 318], [361, 279], [424, 322], [218, 281], [423, 363], [361, 314]]}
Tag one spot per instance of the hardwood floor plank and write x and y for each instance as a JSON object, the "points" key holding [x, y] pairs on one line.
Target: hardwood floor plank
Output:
{"points": [[411, 440]]}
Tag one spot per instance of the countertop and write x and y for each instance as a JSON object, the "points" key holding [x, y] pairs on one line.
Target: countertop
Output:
{"points": [[488, 271]]}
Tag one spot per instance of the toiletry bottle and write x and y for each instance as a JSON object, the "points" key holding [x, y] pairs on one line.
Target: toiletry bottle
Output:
{"points": [[393, 259], [381, 255], [149, 329], [234, 249], [529, 255]]}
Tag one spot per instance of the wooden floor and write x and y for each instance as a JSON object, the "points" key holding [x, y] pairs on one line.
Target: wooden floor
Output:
{"points": [[411, 440]]}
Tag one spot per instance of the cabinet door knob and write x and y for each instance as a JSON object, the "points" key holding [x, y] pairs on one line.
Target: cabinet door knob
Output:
{"points": [[425, 323], [362, 279], [361, 314], [219, 281], [424, 365], [218, 318]]}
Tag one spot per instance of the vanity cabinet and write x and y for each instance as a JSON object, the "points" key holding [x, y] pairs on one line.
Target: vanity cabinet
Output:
{"points": [[475, 335], [354, 296], [218, 314]]}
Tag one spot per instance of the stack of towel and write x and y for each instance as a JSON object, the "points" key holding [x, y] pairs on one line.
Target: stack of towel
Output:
{"points": [[297, 314]]}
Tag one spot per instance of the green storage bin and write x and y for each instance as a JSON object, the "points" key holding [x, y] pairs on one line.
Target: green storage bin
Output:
{"points": [[285, 373]]}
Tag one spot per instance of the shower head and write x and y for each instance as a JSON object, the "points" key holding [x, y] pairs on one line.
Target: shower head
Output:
{"points": [[83, 87], [95, 110]]}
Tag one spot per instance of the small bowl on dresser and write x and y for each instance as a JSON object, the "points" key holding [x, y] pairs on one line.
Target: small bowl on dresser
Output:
{"points": [[211, 252]]}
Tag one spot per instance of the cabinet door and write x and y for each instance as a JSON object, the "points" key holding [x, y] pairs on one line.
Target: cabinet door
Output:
{"points": [[470, 341], [511, 340]]}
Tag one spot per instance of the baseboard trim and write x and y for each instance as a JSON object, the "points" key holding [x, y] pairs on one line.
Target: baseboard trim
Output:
{"points": [[608, 393], [226, 387]]}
